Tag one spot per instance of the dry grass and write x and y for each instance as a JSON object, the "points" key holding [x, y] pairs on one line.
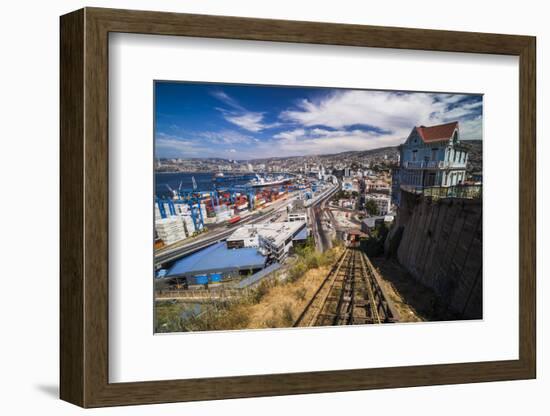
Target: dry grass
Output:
{"points": [[274, 303], [282, 304]]}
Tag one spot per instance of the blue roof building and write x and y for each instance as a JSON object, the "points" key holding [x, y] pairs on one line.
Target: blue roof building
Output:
{"points": [[217, 258]]}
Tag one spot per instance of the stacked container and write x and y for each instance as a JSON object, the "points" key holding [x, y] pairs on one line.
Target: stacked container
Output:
{"points": [[170, 230]]}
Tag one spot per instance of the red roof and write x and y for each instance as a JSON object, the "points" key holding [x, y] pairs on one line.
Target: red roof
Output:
{"points": [[437, 133]]}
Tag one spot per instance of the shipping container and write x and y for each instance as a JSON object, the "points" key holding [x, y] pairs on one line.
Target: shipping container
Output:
{"points": [[215, 277], [201, 279]]}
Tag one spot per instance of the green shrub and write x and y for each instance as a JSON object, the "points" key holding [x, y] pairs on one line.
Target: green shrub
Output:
{"points": [[288, 316], [300, 293], [261, 290], [297, 270]]}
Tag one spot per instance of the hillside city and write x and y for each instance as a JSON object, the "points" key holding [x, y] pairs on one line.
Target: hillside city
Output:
{"points": [[376, 236]]}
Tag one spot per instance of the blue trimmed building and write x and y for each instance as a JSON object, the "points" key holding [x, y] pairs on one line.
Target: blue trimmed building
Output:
{"points": [[430, 157]]}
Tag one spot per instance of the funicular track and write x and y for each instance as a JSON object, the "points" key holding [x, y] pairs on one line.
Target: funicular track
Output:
{"points": [[351, 294]]}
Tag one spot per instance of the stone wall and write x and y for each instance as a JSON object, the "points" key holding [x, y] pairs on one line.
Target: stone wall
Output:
{"points": [[440, 244]]}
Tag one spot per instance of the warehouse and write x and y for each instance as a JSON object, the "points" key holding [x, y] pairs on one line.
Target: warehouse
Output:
{"points": [[216, 263]]}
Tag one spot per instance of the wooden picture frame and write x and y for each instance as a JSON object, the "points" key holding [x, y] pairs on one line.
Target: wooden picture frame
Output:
{"points": [[84, 207]]}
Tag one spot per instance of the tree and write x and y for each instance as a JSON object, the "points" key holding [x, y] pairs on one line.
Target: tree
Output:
{"points": [[371, 207]]}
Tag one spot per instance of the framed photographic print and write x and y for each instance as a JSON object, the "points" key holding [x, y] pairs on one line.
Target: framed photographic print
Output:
{"points": [[260, 207]]}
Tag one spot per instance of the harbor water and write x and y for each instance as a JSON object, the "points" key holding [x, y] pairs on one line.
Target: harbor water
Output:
{"points": [[206, 181]]}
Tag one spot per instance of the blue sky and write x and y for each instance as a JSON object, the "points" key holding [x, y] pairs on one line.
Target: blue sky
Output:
{"points": [[246, 122]]}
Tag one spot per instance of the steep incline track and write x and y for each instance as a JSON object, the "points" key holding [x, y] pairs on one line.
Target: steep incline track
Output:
{"points": [[350, 295]]}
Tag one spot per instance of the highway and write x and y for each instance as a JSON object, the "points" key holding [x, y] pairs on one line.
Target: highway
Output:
{"points": [[170, 254], [315, 213]]}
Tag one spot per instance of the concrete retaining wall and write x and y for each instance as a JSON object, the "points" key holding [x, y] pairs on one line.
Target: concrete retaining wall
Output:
{"points": [[441, 246]]}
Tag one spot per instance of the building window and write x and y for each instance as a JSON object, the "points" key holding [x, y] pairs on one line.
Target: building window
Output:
{"points": [[434, 154], [414, 155]]}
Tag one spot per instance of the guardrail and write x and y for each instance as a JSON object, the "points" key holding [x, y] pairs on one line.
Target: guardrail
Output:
{"points": [[197, 294], [440, 192], [432, 164]]}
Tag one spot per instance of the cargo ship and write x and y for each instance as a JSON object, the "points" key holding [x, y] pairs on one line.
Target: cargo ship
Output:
{"points": [[268, 181]]}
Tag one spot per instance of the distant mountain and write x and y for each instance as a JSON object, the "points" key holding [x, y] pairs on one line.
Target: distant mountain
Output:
{"points": [[380, 155], [390, 151]]}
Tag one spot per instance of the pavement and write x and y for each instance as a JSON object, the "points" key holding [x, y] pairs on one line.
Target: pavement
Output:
{"points": [[315, 213]]}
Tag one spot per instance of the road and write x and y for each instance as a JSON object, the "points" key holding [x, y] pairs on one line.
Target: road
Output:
{"points": [[315, 213], [171, 254]]}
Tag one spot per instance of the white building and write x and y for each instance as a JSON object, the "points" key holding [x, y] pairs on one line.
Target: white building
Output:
{"points": [[297, 212], [245, 236], [350, 185], [297, 216], [382, 201], [377, 186], [275, 238]]}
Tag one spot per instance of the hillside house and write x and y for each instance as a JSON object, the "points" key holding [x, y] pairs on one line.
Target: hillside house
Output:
{"points": [[431, 156]]}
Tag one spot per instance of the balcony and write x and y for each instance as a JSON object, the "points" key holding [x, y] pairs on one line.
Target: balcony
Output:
{"points": [[440, 192], [433, 164]]}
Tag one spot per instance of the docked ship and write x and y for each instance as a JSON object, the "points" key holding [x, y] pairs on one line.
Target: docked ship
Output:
{"points": [[219, 175], [268, 181]]}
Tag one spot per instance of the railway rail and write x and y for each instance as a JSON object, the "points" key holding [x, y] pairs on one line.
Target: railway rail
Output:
{"points": [[351, 294]]}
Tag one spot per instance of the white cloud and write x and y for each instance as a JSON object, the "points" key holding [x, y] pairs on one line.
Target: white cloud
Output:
{"points": [[226, 137], [329, 124], [460, 111], [450, 98], [396, 113], [323, 141], [248, 121], [223, 97], [375, 108], [173, 146], [291, 135], [472, 129], [208, 145], [323, 126], [239, 116]]}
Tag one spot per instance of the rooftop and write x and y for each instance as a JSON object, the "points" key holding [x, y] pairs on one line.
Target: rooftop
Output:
{"points": [[437, 133], [272, 231], [377, 196], [302, 235], [257, 276], [217, 258], [281, 231]]}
